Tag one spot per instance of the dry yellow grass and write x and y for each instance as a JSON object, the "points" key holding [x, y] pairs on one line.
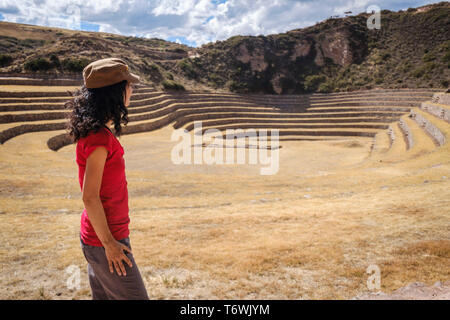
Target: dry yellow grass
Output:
{"points": [[226, 232], [21, 88]]}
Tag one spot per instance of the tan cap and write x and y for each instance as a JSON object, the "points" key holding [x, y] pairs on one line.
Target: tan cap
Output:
{"points": [[106, 72]]}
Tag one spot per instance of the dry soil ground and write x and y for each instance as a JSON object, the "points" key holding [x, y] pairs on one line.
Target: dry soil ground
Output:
{"points": [[225, 231]]}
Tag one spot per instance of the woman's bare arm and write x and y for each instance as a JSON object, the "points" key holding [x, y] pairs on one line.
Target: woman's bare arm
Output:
{"points": [[91, 194], [93, 175]]}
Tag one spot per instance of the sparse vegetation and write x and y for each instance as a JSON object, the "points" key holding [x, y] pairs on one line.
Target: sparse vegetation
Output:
{"points": [[74, 64], [413, 51], [5, 60], [38, 64], [172, 85], [326, 87], [187, 68], [427, 57], [312, 82]]}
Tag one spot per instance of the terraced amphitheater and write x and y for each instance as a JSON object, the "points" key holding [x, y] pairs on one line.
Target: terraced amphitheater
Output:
{"points": [[364, 180], [298, 117]]}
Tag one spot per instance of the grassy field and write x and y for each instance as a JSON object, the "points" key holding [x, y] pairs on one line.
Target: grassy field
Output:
{"points": [[227, 232], [21, 88]]}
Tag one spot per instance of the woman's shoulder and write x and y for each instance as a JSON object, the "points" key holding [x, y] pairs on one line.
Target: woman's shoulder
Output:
{"points": [[99, 136], [99, 133]]}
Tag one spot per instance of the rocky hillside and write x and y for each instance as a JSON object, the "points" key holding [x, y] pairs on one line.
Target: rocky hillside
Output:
{"points": [[411, 50], [55, 52]]}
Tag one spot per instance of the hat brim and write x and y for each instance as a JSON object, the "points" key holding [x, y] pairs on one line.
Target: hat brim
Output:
{"points": [[133, 78]]}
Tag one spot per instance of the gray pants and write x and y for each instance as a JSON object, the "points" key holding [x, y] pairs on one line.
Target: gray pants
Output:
{"points": [[110, 286]]}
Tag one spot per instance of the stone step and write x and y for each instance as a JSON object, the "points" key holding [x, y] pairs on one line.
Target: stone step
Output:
{"points": [[417, 140], [34, 100], [33, 94], [381, 144], [263, 118], [40, 82], [367, 103], [436, 128], [440, 111], [10, 131], [63, 98], [319, 138], [245, 126], [380, 91], [316, 132], [371, 97], [397, 143], [343, 108], [441, 98]]}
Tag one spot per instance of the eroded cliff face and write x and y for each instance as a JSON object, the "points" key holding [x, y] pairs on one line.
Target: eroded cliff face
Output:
{"points": [[335, 46], [279, 63], [256, 58], [332, 44], [410, 50]]}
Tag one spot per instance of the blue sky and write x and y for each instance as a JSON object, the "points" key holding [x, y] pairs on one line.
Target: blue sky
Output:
{"points": [[192, 22]]}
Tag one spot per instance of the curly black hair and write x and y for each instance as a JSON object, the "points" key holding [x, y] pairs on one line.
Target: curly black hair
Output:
{"points": [[93, 108]]}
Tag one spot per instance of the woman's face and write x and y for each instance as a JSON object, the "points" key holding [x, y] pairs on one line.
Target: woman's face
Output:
{"points": [[129, 91]]}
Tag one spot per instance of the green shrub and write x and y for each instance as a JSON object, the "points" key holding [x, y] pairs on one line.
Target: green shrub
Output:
{"points": [[38, 64], [427, 57], [5, 60], [428, 67], [74, 64], [312, 82], [215, 78], [236, 86], [382, 56], [446, 57], [326, 87], [444, 83], [31, 43], [172, 85], [55, 60], [419, 72], [385, 56], [153, 67], [187, 68]]}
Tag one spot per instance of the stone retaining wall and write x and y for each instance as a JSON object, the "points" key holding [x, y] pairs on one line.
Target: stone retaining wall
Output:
{"points": [[407, 134], [436, 135], [437, 111]]}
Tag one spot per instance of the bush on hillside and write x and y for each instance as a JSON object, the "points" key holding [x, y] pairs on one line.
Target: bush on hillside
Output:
{"points": [[312, 82], [427, 57], [5, 60], [188, 68], [446, 57], [172, 85], [74, 64], [326, 87], [38, 64], [55, 60], [237, 86]]}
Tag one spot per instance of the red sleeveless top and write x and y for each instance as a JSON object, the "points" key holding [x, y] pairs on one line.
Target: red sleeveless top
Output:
{"points": [[113, 190]]}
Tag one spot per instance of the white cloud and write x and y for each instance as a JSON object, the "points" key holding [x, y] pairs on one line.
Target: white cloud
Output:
{"points": [[198, 21]]}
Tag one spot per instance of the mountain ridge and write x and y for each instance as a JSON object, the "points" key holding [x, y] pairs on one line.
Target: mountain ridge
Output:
{"points": [[411, 50]]}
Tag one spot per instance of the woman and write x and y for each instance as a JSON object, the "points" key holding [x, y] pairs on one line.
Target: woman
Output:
{"points": [[104, 234]]}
